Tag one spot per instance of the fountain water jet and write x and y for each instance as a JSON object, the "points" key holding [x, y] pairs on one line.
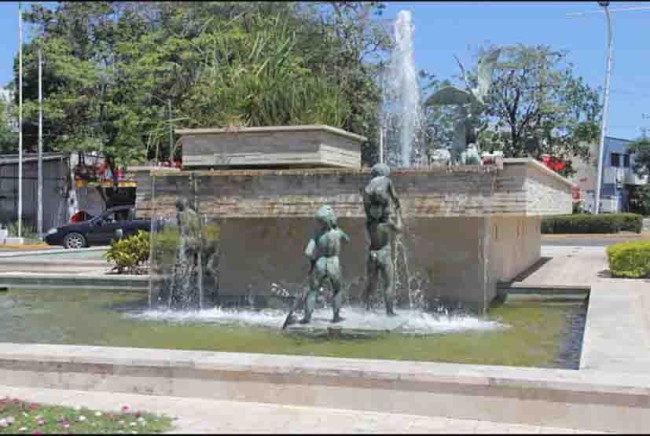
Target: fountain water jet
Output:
{"points": [[402, 110]]}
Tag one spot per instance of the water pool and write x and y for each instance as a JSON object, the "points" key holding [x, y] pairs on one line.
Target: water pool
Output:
{"points": [[520, 333]]}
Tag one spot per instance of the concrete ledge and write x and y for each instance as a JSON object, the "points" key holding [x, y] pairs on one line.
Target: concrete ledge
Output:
{"points": [[78, 281], [563, 398], [52, 251]]}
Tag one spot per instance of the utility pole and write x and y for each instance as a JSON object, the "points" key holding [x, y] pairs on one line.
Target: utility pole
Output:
{"points": [[603, 130], [20, 121], [39, 215]]}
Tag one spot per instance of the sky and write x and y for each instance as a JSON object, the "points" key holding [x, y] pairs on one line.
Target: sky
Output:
{"points": [[445, 29]]}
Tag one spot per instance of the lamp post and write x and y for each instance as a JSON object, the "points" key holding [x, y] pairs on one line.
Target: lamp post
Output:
{"points": [[603, 129]]}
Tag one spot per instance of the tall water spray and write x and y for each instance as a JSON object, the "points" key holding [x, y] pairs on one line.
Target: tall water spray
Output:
{"points": [[402, 111]]}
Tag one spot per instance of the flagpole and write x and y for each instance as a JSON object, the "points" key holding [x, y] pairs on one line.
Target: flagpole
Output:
{"points": [[39, 214], [20, 120]]}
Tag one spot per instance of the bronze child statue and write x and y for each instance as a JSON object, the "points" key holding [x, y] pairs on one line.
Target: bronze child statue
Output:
{"points": [[382, 227], [323, 251]]}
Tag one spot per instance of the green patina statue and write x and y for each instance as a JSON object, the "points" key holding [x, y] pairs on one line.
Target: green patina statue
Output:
{"points": [[323, 251], [469, 104], [382, 226]]}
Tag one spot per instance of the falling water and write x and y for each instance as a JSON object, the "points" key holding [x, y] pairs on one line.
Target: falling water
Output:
{"points": [[404, 281], [402, 112]]}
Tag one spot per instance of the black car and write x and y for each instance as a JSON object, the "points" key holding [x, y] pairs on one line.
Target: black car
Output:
{"points": [[114, 223]]}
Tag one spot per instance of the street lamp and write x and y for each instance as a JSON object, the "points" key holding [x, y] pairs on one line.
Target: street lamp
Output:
{"points": [[603, 129]]}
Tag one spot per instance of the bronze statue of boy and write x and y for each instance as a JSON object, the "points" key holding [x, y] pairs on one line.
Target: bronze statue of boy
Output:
{"points": [[323, 251], [382, 225]]}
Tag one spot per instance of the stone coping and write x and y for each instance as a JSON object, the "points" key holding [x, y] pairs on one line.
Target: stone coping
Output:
{"points": [[580, 386], [270, 129], [537, 165], [464, 169], [52, 251], [80, 279]]}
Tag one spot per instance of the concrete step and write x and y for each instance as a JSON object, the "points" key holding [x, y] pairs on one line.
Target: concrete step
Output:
{"points": [[78, 280], [203, 416], [588, 400]]}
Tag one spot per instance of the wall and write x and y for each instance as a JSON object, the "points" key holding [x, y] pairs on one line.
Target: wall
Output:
{"points": [[522, 187], [467, 227], [55, 184], [279, 146], [443, 253], [515, 244]]}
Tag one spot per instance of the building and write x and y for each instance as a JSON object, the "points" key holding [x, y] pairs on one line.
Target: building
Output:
{"points": [[69, 185], [56, 189], [619, 182]]}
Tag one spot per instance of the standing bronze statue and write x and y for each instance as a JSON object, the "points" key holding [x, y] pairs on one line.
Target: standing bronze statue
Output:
{"points": [[323, 251], [469, 104], [382, 225]]}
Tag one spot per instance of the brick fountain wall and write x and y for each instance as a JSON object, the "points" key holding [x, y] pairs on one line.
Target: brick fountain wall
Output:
{"points": [[466, 227]]}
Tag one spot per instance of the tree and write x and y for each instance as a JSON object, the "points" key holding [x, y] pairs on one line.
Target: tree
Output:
{"points": [[8, 137], [641, 150], [112, 68], [536, 105], [438, 126]]}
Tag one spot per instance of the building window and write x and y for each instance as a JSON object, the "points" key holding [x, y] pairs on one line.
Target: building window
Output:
{"points": [[615, 159], [626, 160]]}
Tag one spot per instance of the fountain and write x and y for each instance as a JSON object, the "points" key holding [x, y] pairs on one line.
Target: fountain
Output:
{"points": [[402, 113], [469, 226]]}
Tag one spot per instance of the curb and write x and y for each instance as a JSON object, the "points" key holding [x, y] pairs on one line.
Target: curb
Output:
{"points": [[54, 251], [65, 281], [595, 235]]}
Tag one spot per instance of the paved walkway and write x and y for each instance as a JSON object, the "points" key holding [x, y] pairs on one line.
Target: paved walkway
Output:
{"points": [[617, 332], [567, 266], [213, 416]]}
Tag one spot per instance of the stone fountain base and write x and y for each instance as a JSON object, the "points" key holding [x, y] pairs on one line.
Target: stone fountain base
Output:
{"points": [[467, 228]]}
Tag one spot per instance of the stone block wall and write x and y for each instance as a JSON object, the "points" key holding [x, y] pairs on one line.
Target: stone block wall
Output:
{"points": [[466, 227]]}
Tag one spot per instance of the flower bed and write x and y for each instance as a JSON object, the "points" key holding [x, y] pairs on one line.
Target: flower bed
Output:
{"points": [[17, 416]]}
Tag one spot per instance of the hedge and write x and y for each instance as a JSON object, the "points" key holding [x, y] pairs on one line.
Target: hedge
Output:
{"points": [[585, 223], [629, 259]]}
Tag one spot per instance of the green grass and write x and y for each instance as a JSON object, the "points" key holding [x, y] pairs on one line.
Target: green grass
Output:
{"points": [[17, 416], [92, 318]]}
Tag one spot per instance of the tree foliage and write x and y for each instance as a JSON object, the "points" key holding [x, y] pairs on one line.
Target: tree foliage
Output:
{"points": [[112, 69], [536, 105], [8, 137], [641, 150]]}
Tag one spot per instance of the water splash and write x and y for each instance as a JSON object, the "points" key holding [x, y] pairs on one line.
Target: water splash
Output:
{"points": [[405, 283], [412, 322], [402, 113]]}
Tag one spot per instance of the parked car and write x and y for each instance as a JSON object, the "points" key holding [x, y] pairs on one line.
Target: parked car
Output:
{"points": [[114, 223]]}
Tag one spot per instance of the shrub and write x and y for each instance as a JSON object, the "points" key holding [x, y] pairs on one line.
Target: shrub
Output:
{"points": [[584, 223], [129, 253], [629, 259]]}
